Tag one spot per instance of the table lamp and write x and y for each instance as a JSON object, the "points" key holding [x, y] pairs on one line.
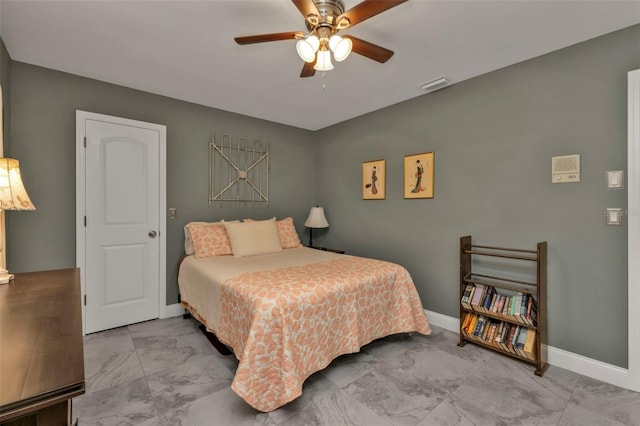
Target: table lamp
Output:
{"points": [[316, 219], [13, 196]]}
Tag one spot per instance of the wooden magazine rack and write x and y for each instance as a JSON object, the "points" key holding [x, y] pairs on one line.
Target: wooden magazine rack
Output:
{"points": [[496, 317]]}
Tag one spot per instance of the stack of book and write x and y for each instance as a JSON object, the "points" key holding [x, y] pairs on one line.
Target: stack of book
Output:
{"points": [[486, 299], [516, 339]]}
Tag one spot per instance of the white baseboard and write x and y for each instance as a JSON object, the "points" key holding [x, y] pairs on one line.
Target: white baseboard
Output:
{"points": [[588, 367], [443, 321], [560, 358], [174, 310]]}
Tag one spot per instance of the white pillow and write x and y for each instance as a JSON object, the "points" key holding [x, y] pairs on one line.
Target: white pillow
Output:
{"points": [[253, 238], [188, 241]]}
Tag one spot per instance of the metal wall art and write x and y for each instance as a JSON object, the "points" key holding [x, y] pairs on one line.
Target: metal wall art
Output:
{"points": [[238, 172]]}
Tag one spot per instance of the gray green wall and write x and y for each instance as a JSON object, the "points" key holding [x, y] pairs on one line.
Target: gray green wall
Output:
{"points": [[493, 138], [5, 82], [43, 106]]}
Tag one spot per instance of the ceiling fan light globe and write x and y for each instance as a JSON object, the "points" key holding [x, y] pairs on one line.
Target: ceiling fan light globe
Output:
{"points": [[323, 62], [314, 42], [334, 41], [342, 49], [305, 51]]}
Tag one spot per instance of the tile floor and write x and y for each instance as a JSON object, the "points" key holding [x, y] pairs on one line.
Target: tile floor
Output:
{"points": [[165, 372]]}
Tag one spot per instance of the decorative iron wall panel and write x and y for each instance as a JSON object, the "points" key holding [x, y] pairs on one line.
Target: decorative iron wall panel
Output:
{"points": [[238, 172]]}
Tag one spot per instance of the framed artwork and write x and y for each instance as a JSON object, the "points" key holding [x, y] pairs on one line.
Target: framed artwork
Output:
{"points": [[418, 175], [374, 176]]}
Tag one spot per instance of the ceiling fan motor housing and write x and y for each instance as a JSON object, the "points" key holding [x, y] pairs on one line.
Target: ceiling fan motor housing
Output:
{"points": [[329, 10]]}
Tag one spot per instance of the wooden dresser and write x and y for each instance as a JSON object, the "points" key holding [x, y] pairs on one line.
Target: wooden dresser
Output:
{"points": [[41, 355]]}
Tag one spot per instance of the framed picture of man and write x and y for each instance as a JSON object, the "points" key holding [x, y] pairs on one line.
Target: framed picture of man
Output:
{"points": [[418, 175], [374, 175]]}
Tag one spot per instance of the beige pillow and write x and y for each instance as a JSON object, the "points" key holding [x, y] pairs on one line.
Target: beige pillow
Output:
{"points": [[253, 238], [288, 235]]}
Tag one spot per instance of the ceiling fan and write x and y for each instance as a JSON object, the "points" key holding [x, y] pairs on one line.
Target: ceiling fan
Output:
{"points": [[324, 19]]}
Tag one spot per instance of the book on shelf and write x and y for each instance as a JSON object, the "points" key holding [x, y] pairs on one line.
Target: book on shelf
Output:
{"points": [[527, 316], [500, 305], [482, 334], [477, 295], [472, 324], [494, 299], [492, 331], [486, 292], [498, 337], [491, 291], [522, 337], [504, 338], [507, 306], [466, 321], [479, 324], [534, 315], [466, 295], [529, 344], [523, 308], [512, 333], [516, 304]]}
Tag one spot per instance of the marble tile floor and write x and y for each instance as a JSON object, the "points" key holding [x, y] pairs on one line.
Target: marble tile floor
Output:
{"points": [[165, 372]]}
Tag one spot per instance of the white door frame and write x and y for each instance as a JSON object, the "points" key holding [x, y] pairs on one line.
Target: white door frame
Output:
{"points": [[633, 222], [81, 117]]}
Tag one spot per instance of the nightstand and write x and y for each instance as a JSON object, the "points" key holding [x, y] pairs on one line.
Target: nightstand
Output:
{"points": [[41, 329], [329, 249]]}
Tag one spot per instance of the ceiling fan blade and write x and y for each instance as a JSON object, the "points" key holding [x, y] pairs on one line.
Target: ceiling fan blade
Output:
{"points": [[308, 70], [370, 50], [306, 7], [366, 9], [261, 38]]}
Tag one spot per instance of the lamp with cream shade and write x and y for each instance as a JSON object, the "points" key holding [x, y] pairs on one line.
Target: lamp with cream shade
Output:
{"points": [[316, 219], [13, 196]]}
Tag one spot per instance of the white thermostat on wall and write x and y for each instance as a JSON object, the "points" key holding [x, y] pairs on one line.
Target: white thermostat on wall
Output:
{"points": [[565, 169]]}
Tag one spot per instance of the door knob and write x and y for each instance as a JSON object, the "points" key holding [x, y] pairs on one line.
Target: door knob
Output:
{"points": [[153, 234]]}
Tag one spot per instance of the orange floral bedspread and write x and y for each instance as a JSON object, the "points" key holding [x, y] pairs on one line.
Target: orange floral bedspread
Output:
{"points": [[286, 324]]}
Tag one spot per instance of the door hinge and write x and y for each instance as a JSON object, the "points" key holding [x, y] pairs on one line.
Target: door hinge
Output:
{"points": [[85, 300], [85, 221], [85, 141]]}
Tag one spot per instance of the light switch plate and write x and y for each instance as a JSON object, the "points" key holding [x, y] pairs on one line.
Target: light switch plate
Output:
{"points": [[615, 179], [614, 216], [172, 213]]}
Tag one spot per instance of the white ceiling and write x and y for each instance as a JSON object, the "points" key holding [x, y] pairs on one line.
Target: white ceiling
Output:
{"points": [[185, 49]]}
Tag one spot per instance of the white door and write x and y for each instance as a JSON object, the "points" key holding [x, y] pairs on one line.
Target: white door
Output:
{"points": [[122, 224]]}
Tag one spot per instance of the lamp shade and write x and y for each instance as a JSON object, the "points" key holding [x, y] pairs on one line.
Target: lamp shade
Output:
{"points": [[323, 62], [341, 47], [307, 48], [13, 196], [316, 218]]}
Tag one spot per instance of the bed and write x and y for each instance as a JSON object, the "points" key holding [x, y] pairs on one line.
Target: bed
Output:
{"points": [[289, 313]]}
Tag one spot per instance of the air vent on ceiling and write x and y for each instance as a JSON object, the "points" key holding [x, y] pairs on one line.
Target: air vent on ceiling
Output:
{"points": [[437, 84]]}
